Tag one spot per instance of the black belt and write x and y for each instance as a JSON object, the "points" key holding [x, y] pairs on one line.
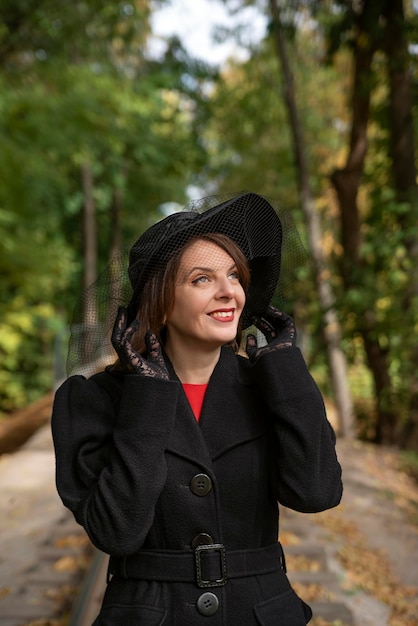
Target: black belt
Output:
{"points": [[208, 565]]}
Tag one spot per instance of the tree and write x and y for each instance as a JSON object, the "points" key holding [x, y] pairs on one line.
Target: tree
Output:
{"points": [[371, 25], [374, 248], [332, 330], [404, 172]]}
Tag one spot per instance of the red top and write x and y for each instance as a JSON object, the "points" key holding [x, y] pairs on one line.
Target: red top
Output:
{"points": [[195, 395]]}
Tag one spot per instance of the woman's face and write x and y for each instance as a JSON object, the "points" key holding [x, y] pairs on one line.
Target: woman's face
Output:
{"points": [[209, 298]]}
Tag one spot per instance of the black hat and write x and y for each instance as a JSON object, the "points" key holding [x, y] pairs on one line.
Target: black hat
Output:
{"points": [[248, 219], [263, 230]]}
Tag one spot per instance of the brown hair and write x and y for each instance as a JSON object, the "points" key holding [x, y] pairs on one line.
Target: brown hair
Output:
{"points": [[157, 297]]}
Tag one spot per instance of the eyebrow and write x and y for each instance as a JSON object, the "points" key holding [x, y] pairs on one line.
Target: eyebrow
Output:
{"points": [[199, 268]]}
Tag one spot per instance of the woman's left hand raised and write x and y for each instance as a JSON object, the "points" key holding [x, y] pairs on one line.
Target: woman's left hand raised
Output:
{"points": [[154, 365], [279, 330]]}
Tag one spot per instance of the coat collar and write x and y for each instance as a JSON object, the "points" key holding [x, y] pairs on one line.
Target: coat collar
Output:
{"points": [[230, 413]]}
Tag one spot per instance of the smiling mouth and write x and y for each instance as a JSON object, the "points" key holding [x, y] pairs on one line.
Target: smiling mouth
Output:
{"points": [[223, 316]]}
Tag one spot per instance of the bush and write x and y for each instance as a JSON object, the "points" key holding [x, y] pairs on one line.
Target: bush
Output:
{"points": [[27, 334]]}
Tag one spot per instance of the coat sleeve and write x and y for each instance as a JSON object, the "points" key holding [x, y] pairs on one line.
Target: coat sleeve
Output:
{"points": [[110, 462], [308, 475]]}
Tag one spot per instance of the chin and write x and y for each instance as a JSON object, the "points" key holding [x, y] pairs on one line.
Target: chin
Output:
{"points": [[226, 339]]}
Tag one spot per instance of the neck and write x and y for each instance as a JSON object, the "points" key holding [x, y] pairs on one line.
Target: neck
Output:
{"points": [[192, 366]]}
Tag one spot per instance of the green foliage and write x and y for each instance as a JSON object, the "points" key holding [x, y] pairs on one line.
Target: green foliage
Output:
{"points": [[240, 133], [35, 32], [26, 359], [76, 89]]}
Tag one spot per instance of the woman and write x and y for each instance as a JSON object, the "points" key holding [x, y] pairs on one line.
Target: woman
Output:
{"points": [[175, 457]]}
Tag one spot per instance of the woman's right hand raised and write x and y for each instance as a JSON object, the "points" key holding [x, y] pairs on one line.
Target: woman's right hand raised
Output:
{"points": [[154, 365]]}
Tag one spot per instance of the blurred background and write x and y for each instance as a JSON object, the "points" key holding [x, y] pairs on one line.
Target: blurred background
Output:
{"points": [[112, 113]]}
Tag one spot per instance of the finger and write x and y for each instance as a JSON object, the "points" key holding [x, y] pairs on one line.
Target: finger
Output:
{"points": [[155, 353], [131, 330], [251, 346], [119, 327], [283, 323], [275, 316], [279, 320], [132, 358], [266, 328]]}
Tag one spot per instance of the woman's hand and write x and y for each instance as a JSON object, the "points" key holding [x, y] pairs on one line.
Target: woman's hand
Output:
{"points": [[154, 366], [279, 330]]}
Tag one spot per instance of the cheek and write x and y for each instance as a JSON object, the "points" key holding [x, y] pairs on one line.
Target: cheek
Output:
{"points": [[191, 302], [241, 297]]}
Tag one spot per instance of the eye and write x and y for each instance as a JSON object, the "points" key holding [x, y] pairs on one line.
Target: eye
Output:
{"points": [[200, 280], [234, 276]]}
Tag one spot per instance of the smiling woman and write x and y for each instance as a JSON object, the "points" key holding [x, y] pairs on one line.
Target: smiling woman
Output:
{"points": [[174, 458], [186, 279], [208, 301]]}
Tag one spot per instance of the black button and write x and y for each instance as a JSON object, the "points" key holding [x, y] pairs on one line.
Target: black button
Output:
{"points": [[200, 485], [202, 539], [207, 604]]}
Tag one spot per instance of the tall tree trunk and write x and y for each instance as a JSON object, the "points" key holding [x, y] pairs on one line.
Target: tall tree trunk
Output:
{"points": [[89, 245], [115, 223], [89, 227], [405, 177], [400, 104], [115, 253], [332, 331], [346, 182]]}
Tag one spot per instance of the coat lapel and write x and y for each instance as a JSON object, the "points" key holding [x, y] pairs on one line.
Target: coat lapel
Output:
{"points": [[230, 414], [187, 438]]}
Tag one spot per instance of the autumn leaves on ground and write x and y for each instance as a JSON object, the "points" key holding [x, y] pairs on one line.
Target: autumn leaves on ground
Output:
{"points": [[368, 569]]}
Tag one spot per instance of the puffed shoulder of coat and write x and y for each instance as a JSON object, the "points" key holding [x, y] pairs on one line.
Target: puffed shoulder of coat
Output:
{"points": [[110, 465], [307, 464]]}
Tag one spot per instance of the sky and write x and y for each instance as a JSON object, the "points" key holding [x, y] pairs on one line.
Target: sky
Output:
{"points": [[193, 21]]}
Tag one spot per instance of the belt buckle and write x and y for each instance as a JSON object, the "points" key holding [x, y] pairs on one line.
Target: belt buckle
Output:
{"points": [[210, 547]]}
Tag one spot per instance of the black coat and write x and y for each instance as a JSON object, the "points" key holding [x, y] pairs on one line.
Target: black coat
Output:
{"points": [[139, 473]]}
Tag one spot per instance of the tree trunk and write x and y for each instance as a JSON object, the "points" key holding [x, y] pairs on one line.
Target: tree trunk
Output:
{"points": [[400, 103], [115, 223], [346, 182], [377, 359], [404, 176], [115, 254], [332, 332], [89, 227], [89, 246]]}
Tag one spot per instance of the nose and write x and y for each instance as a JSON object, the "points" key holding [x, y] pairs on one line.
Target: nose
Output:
{"points": [[226, 289]]}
